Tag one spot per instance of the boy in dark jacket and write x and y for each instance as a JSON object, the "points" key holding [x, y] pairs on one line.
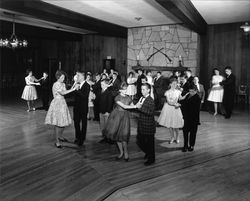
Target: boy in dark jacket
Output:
{"points": [[191, 116]]}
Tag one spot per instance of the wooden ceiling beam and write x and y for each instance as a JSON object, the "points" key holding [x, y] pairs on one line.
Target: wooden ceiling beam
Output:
{"points": [[185, 11], [51, 13]]}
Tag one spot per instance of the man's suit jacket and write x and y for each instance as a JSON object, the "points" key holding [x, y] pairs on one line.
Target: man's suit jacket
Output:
{"points": [[159, 86], [81, 101], [190, 79], [201, 92], [191, 114], [106, 101], [185, 88], [115, 87], [146, 121], [97, 89], [229, 87], [45, 86]]}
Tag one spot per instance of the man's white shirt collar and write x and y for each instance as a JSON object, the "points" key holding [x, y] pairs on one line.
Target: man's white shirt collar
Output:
{"points": [[82, 84]]}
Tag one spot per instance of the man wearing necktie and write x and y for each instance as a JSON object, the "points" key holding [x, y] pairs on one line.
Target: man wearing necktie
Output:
{"points": [[81, 109], [106, 105], [146, 124]]}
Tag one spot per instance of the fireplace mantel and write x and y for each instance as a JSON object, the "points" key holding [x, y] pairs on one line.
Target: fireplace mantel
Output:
{"points": [[160, 68]]}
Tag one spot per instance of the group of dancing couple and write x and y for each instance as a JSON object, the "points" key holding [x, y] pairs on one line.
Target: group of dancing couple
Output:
{"points": [[222, 91], [29, 92], [114, 122], [181, 110]]}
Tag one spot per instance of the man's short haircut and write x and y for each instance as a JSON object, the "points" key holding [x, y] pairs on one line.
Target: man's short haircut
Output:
{"points": [[147, 85], [228, 68]]}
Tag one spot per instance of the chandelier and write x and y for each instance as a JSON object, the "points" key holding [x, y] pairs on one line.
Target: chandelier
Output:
{"points": [[245, 27], [13, 42]]}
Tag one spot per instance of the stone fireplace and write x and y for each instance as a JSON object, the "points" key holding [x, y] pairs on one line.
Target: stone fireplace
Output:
{"points": [[173, 41]]}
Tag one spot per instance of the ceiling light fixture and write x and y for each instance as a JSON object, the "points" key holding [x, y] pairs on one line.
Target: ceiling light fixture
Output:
{"points": [[13, 41], [245, 27]]}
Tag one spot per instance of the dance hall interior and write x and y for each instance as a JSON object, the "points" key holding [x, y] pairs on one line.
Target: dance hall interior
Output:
{"points": [[134, 100]]}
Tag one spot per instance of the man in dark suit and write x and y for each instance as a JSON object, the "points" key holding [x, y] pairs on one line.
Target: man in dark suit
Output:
{"points": [[45, 90], [188, 74], [115, 84], [191, 116], [97, 91], [146, 124], [105, 106], [159, 90], [81, 109], [184, 87], [200, 89], [139, 83], [229, 92]]}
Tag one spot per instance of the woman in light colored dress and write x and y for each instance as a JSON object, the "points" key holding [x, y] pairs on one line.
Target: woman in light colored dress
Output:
{"points": [[131, 89], [171, 116], [58, 114], [29, 91], [217, 91]]}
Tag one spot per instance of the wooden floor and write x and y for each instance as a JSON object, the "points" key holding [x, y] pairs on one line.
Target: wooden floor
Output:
{"points": [[32, 169]]}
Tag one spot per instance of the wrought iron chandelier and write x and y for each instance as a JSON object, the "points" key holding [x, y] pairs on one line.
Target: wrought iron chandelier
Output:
{"points": [[13, 42]]}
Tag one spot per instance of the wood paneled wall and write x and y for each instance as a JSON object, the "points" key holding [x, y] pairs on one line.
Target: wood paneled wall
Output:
{"points": [[95, 48], [45, 48], [226, 45], [49, 47]]}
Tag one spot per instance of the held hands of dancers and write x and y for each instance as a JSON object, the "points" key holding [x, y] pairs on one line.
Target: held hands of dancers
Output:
{"points": [[138, 105], [183, 97], [177, 105]]}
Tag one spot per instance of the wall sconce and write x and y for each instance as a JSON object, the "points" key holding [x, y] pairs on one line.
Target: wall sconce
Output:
{"points": [[245, 27]]}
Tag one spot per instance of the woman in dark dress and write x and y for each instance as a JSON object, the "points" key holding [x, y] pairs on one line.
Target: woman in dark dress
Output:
{"points": [[118, 125]]}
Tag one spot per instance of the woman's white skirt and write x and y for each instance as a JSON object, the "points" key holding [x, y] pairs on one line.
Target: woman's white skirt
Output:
{"points": [[29, 93]]}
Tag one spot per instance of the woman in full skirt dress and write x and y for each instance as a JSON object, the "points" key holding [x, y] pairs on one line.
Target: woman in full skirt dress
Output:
{"points": [[217, 91], [58, 114], [171, 116], [29, 92], [118, 125]]}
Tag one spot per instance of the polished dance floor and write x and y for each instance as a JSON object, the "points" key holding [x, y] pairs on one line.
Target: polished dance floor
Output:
{"points": [[33, 169]]}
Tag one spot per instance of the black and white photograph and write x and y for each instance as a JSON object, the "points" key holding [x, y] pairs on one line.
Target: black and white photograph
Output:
{"points": [[125, 100]]}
